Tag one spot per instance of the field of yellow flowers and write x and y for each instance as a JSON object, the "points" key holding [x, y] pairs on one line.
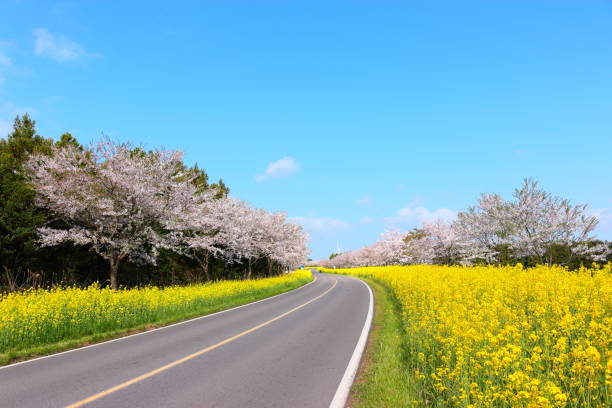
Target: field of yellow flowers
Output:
{"points": [[40, 317], [505, 336]]}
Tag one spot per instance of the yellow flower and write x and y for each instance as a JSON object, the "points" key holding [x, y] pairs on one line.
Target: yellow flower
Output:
{"points": [[38, 317], [506, 336]]}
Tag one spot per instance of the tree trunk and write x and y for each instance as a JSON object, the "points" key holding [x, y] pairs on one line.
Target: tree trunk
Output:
{"points": [[204, 262], [249, 269], [206, 265], [114, 268]]}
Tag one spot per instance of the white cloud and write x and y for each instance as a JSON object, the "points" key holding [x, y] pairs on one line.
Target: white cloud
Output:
{"points": [[604, 228], [280, 168], [321, 224], [366, 220], [411, 217], [58, 47], [365, 200]]}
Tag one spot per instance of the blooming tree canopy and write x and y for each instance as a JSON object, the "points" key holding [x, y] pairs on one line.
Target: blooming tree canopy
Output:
{"points": [[531, 225], [116, 199]]}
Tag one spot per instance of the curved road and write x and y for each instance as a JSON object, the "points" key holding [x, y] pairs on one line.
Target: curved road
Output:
{"points": [[291, 350]]}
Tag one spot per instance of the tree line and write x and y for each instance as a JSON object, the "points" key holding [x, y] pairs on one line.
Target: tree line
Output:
{"points": [[121, 215], [532, 228]]}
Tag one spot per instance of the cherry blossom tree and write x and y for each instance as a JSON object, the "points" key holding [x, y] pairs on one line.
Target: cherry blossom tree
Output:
{"points": [[287, 242], [197, 232], [485, 226], [229, 228], [532, 225], [120, 201], [271, 236], [597, 251], [391, 248], [446, 243], [418, 248], [537, 221]]}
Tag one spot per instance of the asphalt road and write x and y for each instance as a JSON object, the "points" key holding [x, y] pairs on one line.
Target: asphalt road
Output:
{"points": [[288, 351]]}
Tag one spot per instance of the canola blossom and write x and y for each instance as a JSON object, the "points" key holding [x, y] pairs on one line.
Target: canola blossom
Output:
{"points": [[38, 317], [505, 336]]}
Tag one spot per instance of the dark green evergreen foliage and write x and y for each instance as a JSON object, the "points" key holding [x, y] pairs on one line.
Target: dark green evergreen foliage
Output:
{"points": [[22, 262], [67, 139], [19, 217], [222, 189], [559, 254], [201, 181]]}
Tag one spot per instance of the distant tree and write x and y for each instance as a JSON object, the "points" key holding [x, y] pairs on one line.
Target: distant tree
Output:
{"points": [[449, 247], [486, 227], [417, 248], [199, 178], [230, 229], [67, 139], [221, 189], [535, 225], [538, 221]]}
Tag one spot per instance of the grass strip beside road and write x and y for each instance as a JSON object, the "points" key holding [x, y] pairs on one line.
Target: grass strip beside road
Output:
{"points": [[499, 336], [43, 332], [384, 379]]}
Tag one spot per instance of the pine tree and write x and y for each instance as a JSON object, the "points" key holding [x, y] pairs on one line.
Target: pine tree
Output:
{"points": [[19, 217]]}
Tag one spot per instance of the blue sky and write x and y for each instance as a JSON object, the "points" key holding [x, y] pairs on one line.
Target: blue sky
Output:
{"points": [[352, 116]]}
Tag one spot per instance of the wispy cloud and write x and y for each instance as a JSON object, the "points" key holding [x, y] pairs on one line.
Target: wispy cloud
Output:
{"points": [[321, 224], [280, 168], [604, 228], [365, 200], [366, 220], [59, 47], [410, 217]]}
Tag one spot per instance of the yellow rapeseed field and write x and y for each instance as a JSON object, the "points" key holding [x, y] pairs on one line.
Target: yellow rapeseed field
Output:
{"points": [[39, 317], [505, 336]]}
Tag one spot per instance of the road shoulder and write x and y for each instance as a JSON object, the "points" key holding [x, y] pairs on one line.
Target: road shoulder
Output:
{"points": [[384, 379]]}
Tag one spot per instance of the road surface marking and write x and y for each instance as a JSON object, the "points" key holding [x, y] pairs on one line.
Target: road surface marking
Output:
{"points": [[344, 388], [192, 356]]}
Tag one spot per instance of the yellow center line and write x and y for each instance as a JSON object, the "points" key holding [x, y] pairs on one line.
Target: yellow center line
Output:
{"points": [[192, 356]]}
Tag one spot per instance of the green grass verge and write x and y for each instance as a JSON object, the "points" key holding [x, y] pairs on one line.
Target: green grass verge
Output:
{"points": [[384, 379], [12, 356]]}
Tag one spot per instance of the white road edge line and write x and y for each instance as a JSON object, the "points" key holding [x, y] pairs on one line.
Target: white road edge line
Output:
{"points": [[159, 328], [344, 388]]}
